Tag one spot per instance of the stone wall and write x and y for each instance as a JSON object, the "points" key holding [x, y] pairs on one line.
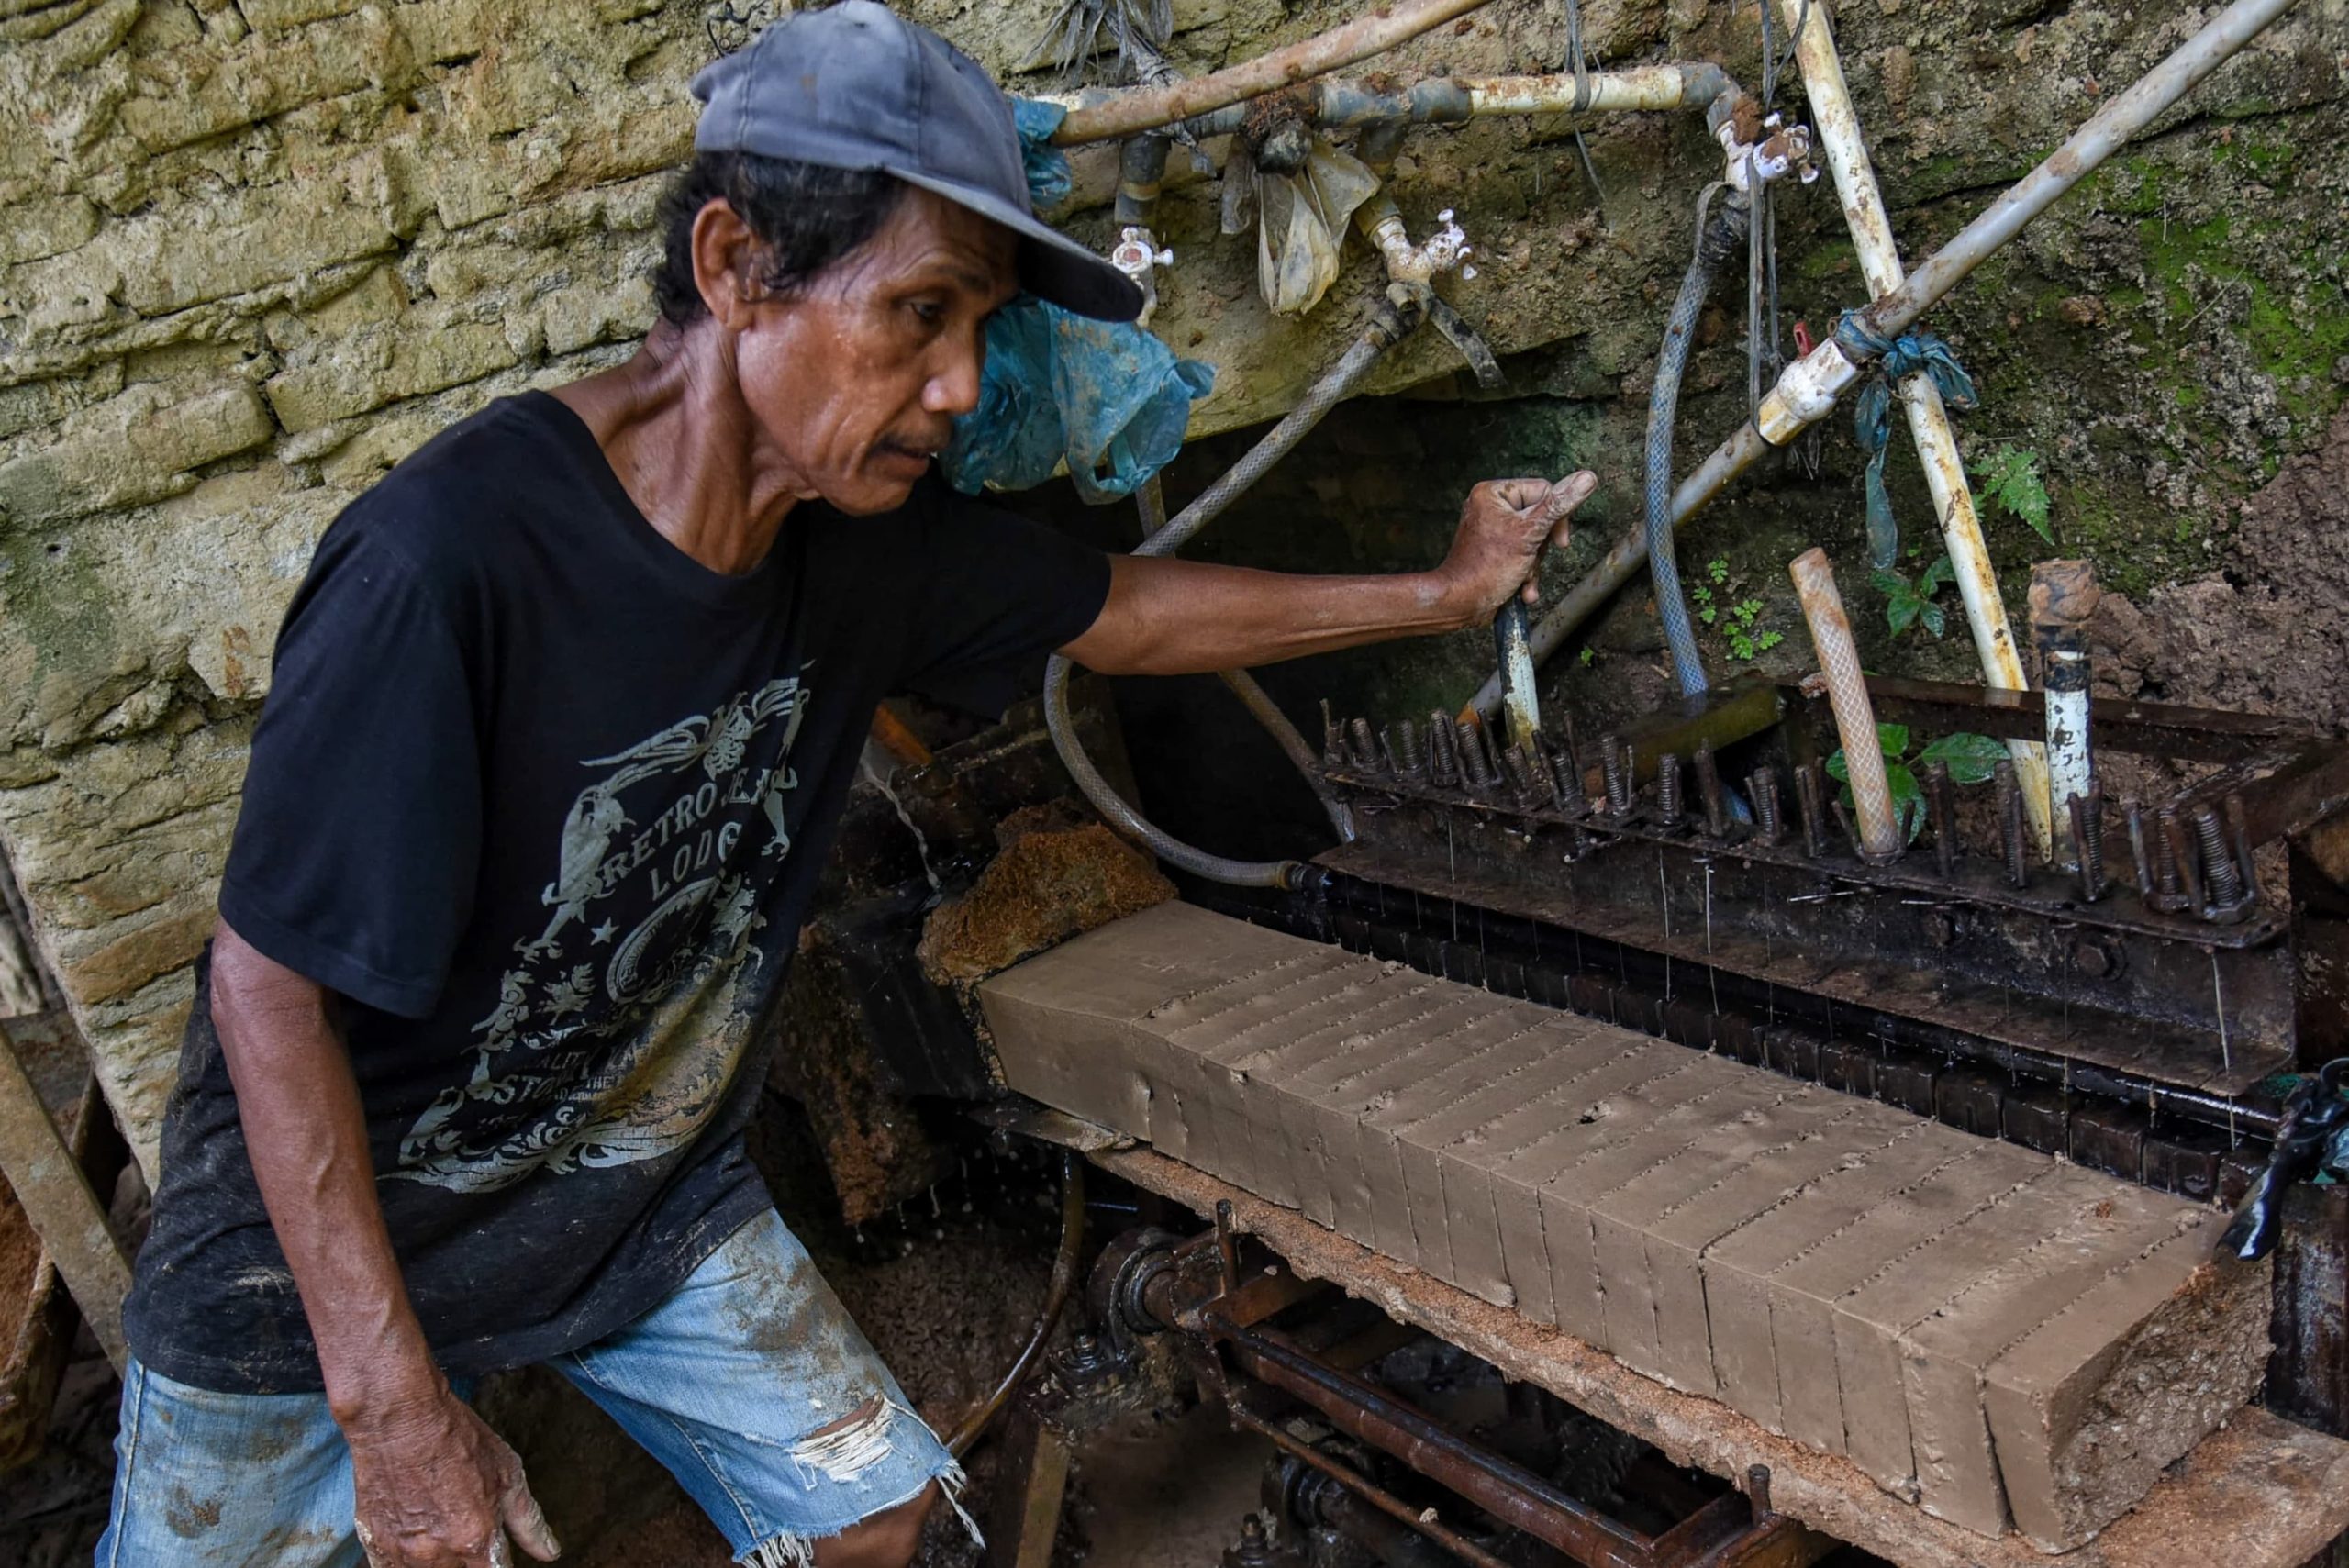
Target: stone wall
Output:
{"points": [[253, 251]]}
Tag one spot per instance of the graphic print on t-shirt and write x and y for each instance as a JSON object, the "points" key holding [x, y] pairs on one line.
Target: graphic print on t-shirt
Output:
{"points": [[615, 1033]]}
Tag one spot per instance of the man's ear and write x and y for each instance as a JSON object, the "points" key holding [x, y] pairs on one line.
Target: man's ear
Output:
{"points": [[726, 264]]}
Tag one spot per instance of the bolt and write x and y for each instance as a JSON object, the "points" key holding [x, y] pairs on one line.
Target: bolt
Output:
{"points": [[1519, 771], [2010, 822], [1810, 799], [2183, 857], [1475, 761], [2218, 860], [1365, 745], [2135, 815], [1333, 744], [1934, 776], [1443, 751], [1764, 785], [1403, 749], [1667, 789], [2088, 839], [1611, 764], [1941, 930], [2092, 959], [1709, 787], [2166, 896]]}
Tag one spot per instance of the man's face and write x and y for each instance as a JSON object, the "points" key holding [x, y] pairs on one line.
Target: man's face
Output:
{"points": [[856, 378]]}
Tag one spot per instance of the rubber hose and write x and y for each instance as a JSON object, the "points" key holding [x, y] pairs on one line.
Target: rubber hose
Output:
{"points": [[1387, 326], [1717, 239], [1057, 1290]]}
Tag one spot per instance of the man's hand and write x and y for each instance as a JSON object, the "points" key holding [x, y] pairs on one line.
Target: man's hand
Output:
{"points": [[1504, 526], [438, 1489]]}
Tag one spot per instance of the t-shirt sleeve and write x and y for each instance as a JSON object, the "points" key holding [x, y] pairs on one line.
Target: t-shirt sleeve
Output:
{"points": [[358, 845], [997, 592]]}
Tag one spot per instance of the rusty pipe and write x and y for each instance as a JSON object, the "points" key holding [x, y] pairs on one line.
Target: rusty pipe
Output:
{"points": [[1847, 694], [1836, 125], [1148, 108], [2064, 594], [1313, 1459], [1369, 1414], [1808, 389]]}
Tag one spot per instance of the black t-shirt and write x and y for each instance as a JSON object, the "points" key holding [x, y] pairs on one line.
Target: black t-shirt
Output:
{"points": [[546, 800]]}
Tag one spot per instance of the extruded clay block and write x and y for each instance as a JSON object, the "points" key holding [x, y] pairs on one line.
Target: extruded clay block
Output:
{"points": [[1497, 1071], [1557, 1179], [1072, 1025], [1281, 1095], [1871, 1318], [1327, 1118], [1223, 1085], [1737, 1265], [1452, 1163], [1942, 1357], [1805, 1288], [1618, 1251], [1449, 1191], [1231, 1030], [1679, 1219], [2089, 1407], [1301, 1086], [1503, 1074], [1463, 1061]]}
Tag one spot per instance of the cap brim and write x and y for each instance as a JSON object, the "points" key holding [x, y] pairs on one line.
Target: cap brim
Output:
{"points": [[1052, 265]]}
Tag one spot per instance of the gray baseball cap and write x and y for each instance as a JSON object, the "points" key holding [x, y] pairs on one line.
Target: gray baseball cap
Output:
{"points": [[857, 86]]}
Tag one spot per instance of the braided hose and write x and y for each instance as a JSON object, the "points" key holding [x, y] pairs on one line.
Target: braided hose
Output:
{"points": [[1397, 315], [1716, 240], [1847, 694]]}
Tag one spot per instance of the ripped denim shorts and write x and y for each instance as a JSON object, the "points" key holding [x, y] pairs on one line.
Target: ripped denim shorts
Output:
{"points": [[750, 1383]]}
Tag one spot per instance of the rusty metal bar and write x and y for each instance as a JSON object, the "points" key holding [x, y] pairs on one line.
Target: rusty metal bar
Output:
{"points": [[1515, 1496], [1148, 108], [1451, 1540], [1836, 124]]}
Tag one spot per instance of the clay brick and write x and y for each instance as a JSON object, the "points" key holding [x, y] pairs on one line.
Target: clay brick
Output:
{"points": [[1969, 1102], [1468, 1172], [1804, 1289], [2088, 1409], [1913, 1285], [1678, 1237], [2110, 1138], [2037, 1116], [1497, 1073], [1942, 1357], [1445, 1182], [1738, 1266], [1905, 1082], [2185, 1160]]}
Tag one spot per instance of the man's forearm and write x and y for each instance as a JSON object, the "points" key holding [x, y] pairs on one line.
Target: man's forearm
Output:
{"points": [[1176, 617], [307, 1136]]}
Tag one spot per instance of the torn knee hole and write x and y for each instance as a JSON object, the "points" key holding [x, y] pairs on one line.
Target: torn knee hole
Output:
{"points": [[847, 1448]]}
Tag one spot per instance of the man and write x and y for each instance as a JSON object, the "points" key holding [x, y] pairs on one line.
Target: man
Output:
{"points": [[562, 720]]}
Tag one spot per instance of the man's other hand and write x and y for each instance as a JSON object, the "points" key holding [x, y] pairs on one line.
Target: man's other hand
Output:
{"points": [[1504, 526], [438, 1489]]}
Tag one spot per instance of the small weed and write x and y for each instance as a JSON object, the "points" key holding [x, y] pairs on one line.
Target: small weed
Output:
{"points": [[2009, 476], [1909, 603], [1588, 655], [1970, 759], [1734, 621]]}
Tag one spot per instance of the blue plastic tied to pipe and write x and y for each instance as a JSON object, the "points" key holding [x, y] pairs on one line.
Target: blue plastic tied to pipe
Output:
{"points": [[1105, 397], [1048, 171], [1896, 359]]}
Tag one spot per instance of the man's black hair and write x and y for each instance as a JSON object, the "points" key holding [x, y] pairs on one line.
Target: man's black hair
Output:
{"points": [[806, 216]]}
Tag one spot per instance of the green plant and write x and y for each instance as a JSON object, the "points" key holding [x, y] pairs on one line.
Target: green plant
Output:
{"points": [[1589, 656], [2009, 476], [1969, 757], [1736, 621], [1912, 603]]}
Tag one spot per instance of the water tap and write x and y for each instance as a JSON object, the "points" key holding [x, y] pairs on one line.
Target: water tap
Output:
{"points": [[1137, 254], [1441, 251], [1784, 150]]}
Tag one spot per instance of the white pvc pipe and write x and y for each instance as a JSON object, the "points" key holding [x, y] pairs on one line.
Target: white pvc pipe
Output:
{"points": [[1835, 124]]}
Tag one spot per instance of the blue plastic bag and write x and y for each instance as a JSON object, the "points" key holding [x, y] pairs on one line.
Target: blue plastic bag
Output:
{"points": [[1105, 396], [1047, 166]]}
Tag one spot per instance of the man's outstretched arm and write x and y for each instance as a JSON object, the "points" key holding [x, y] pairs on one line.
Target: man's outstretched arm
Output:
{"points": [[1166, 617], [435, 1484]]}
